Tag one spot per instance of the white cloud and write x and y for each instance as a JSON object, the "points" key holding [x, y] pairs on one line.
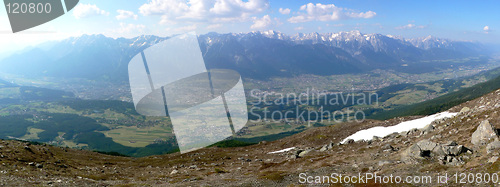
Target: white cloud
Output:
{"points": [[124, 14], [365, 15], [88, 10], [410, 26], [284, 11], [486, 29], [161, 7], [217, 11], [237, 7], [298, 28], [262, 23], [329, 12]]}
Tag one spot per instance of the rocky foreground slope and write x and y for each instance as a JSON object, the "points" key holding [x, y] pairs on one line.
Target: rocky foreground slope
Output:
{"points": [[467, 142]]}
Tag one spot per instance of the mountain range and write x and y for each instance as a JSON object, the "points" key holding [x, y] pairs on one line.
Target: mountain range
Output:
{"points": [[257, 55]]}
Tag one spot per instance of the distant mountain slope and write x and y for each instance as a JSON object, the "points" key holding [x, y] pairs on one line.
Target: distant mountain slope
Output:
{"points": [[442, 103], [89, 56], [255, 54], [12, 94], [4, 84]]}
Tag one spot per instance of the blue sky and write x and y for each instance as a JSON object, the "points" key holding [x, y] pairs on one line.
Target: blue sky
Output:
{"points": [[458, 20]]}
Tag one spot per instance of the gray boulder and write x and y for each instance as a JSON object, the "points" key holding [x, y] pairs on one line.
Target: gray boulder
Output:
{"points": [[426, 145], [413, 152], [419, 150], [174, 172], [484, 134], [493, 148], [451, 143], [384, 162], [327, 147], [303, 153], [455, 161], [493, 159], [464, 110], [298, 151], [453, 150], [349, 141], [324, 148], [388, 147], [427, 129], [428, 149]]}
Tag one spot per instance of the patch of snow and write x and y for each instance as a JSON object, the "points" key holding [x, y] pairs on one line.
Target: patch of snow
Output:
{"points": [[282, 151], [368, 134]]}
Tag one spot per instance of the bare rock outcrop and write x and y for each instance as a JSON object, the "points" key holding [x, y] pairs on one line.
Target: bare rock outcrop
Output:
{"points": [[484, 134], [493, 148], [448, 153]]}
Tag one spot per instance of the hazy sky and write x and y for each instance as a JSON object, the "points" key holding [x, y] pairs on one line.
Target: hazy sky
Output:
{"points": [[458, 20]]}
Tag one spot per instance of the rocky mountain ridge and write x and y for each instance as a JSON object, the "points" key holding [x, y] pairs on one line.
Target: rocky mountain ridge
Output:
{"points": [[467, 142]]}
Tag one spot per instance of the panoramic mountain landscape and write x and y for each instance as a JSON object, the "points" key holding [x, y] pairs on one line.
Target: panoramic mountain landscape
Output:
{"points": [[39, 108], [91, 108], [249, 93]]}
